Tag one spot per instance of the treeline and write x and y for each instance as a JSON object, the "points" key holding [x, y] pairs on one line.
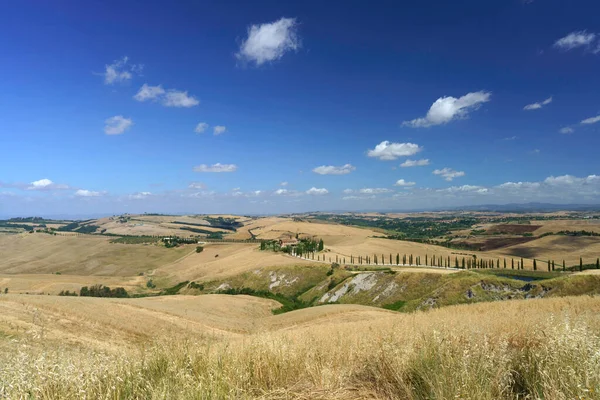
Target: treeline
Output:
{"points": [[578, 233], [469, 262], [229, 224], [97, 291], [209, 234], [77, 227]]}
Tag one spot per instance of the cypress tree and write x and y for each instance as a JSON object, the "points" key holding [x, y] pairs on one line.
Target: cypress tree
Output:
{"points": [[390, 258], [505, 263], [463, 263], [512, 263], [456, 262], [597, 263], [398, 259], [548, 265], [375, 258], [552, 265], [426, 259], [404, 259], [564, 266], [580, 264], [522, 265], [534, 265]]}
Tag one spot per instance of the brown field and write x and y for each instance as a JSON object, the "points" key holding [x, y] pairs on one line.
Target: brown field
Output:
{"points": [[231, 347], [80, 255], [558, 248], [592, 225], [512, 229]]}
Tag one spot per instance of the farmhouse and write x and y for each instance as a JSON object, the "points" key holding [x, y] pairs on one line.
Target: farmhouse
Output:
{"points": [[288, 242]]}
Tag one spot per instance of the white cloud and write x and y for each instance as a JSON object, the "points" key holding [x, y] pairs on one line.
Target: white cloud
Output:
{"points": [[537, 106], [415, 163], [139, 195], [391, 151], [519, 185], [197, 185], [332, 170], [281, 191], [119, 71], [358, 197], [592, 120], [46, 184], [446, 109], [348, 191], [219, 129], [374, 190], [566, 130], [201, 127], [269, 42], [117, 125], [574, 40], [317, 192], [176, 98], [87, 193], [42, 183], [283, 184], [402, 182], [168, 98], [464, 188], [147, 92], [564, 180], [287, 192], [218, 167], [448, 173]]}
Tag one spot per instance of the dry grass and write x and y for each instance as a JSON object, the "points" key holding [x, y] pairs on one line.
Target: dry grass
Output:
{"points": [[512, 350], [81, 255]]}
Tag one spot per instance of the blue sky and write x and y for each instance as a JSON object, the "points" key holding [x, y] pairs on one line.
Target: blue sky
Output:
{"points": [[268, 107]]}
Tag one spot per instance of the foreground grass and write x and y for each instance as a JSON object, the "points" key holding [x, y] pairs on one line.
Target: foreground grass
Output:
{"points": [[539, 349]]}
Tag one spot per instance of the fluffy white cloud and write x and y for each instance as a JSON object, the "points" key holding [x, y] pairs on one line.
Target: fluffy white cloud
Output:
{"points": [[139, 195], [197, 185], [287, 192], [402, 182], [332, 170], [446, 109], [465, 188], [283, 184], [46, 184], [571, 180], [358, 197], [201, 127], [391, 151], [348, 191], [415, 163], [148, 92], [219, 129], [592, 120], [537, 106], [519, 185], [176, 98], [218, 167], [448, 173], [317, 192], [566, 130], [168, 98], [87, 193], [270, 41], [117, 125], [574, 40], [120, 71], [374, 191]]}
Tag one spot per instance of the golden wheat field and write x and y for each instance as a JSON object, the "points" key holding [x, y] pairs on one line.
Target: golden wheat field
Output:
{"points": [[230, 347]]}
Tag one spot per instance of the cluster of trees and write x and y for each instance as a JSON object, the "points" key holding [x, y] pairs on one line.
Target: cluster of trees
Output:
{"points": [[67, 293], [229, 224], [103, 291], [578, 233], [175, 241]]}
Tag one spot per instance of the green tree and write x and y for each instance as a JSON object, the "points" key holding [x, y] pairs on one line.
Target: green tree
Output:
{"points": [[580, 264], [512, 263], [522, 264], [534, 265], [263, 245], [564, 266], [463, 263], [549, 265], [398, 259], [375, 258], [505, 263], [552, 265], [598, 263], [321, 245]]}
